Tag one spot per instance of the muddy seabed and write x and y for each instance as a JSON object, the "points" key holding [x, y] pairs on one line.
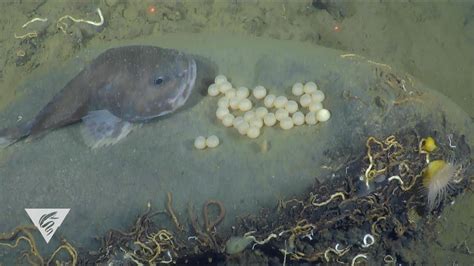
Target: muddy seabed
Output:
{"points": [[109, 188]]}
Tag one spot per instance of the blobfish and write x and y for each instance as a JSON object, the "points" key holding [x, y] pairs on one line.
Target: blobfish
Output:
{"points": [[122, 88]]}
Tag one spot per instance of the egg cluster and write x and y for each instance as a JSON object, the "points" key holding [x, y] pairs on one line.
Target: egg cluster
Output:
{"points": [[201, 142], [236, 109]]}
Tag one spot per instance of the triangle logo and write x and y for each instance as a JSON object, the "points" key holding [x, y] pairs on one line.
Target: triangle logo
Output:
{"points": [[47, 221]]}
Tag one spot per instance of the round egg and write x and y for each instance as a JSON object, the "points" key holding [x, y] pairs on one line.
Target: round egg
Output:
{"points": [[256, 122], [280, 102], [323, 115], [243, 128], [213, 90], [286, 123], [269, 119], [224, 86], [298, 118], [223, 102], [221, 112], [234, 103], [231, 93], [305, 100], [315, 106], [310, 87], [260, 112], [318, 96], [228, 120], [259, 92], [242, 92], [253, 132], [297, 89], [310, 118], [291, 106], [280, 114], [212, 141], [245, 105], [220, 79], [269, 100], [237, 121], [200, 143], [249, 115]]}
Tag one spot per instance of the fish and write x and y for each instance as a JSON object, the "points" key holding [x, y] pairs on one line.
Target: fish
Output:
{"points": [[118, 91]]}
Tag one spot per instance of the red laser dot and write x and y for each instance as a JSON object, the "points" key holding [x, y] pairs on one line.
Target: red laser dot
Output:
{"points": [[151, 9]]}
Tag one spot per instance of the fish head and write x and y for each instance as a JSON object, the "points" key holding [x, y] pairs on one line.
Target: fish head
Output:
{"points": [[161, 87]]}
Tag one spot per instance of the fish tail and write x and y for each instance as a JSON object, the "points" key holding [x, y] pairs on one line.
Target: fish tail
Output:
{"points": [[8, 136]]}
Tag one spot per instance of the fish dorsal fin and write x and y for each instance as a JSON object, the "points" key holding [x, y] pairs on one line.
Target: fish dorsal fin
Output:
{"points": [[101, 128]]}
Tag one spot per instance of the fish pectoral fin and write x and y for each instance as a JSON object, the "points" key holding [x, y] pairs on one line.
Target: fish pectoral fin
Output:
{"points": [[101, 128]]}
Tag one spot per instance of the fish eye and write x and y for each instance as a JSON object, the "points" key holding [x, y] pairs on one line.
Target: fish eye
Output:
{"points": [[158, 81]]}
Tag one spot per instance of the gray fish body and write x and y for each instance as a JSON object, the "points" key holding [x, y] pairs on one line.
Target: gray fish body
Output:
{"points": [[120, 87]]}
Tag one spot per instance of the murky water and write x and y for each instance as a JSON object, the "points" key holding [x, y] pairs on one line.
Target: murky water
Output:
{"points": [[107, 188]]}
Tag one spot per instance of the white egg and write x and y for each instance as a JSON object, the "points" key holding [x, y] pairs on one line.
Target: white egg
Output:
{"points": [[253, 132], [298, 118], [323, 115], [200, 143], [256, 122], [245, 105], [234, 103], [297, 89], [291, 106], [259, 92], [224, 86], [269, 119], [315, 106], [221, 112], [220, 79], [228, 120], [318, 96], [243, 128], [310, 118], [231, 93], [280, 114], [269, 100], [212, 141], [242, 92], [260, 112], [213, 90], [310, 87], [223, 102], [305, 100], [280, 102], [286, 123], [237, 121], [249, 115]]}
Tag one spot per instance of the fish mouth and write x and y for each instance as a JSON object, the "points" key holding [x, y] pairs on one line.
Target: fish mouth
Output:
{"points": [[187, 83]]}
